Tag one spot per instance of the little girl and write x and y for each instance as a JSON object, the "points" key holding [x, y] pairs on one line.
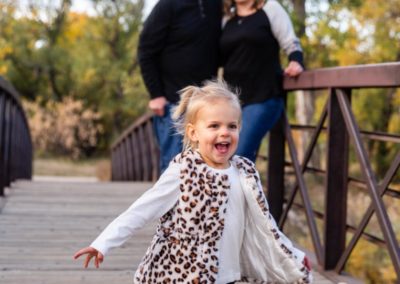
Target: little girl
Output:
{"points": [[215, 226]]}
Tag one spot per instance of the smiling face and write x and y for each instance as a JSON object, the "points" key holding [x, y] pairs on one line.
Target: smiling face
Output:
{"points": [[216, 132]]}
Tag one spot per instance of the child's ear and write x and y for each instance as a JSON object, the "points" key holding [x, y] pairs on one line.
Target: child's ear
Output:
{"points": [[191, 132]]}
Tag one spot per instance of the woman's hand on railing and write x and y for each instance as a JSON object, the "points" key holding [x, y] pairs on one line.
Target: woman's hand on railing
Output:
{"points": [[293, 69], [91, 252]]}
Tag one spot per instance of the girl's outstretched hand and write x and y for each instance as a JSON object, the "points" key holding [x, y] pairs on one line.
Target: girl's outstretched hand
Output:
{"points": [[91, 252], [307, 263]]}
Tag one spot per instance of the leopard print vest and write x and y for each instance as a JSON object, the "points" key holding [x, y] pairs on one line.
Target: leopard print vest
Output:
{"points": [[185, 247]]}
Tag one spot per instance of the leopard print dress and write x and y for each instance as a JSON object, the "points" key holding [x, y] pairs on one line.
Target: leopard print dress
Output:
{"points": [[185, 248]]}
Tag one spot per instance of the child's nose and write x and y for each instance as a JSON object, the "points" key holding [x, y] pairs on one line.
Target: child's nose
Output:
{"points": [[224, 131]]}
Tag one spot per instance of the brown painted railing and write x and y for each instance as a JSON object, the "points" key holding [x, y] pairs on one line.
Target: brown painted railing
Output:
{"points": [[135, 157], [15, 139], [135, 154], [342, 131]]}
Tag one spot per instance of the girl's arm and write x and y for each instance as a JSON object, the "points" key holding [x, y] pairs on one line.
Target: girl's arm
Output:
{"points": [[153, 204]]}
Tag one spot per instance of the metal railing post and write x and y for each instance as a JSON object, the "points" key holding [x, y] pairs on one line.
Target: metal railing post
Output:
{"points": [[336, 184]]}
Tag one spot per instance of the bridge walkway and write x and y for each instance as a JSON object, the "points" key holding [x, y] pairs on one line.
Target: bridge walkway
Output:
{"points": [[43, 222]]}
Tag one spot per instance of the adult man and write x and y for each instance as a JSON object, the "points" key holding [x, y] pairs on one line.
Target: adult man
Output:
{"points": [[177, 47]]}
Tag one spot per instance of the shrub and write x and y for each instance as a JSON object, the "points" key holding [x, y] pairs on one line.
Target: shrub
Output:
{"points": [[64, 128]]}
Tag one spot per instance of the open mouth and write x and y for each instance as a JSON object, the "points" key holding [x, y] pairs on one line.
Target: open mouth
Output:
{"points": [[222, 147]]}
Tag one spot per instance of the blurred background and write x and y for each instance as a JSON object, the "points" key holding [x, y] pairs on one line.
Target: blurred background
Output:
{"points": [[74, 64]]}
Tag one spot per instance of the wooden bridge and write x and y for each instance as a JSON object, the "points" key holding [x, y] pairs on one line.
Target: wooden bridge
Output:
{"points": [[43, 222]]}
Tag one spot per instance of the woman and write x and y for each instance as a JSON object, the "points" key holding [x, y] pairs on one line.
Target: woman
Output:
{"points": [[250, 45]]}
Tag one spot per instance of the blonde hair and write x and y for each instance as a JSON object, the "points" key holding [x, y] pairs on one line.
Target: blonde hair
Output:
{"points": [[230, 10], [194, 98]]}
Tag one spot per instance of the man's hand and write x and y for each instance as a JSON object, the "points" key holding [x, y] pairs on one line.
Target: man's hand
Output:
{"points": [[293, 69], [157, 105], [91, 252]]}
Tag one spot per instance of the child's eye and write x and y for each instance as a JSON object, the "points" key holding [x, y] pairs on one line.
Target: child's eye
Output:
{"points": [[214, 125], [233, 126]]}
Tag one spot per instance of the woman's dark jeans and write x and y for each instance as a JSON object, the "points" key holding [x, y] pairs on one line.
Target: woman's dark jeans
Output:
{"points": [[257, 120]]}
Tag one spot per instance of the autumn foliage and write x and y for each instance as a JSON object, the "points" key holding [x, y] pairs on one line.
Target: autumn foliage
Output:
{"points": [[64, 128]]}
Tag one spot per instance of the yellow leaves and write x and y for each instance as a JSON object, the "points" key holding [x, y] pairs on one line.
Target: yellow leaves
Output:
{"points": [[348, 56], [369, 261], [76, 26], [388, 274], [358, 34], [89, 75], [3, 70], [397, 98], [394, 124], [374, 9], [5, 49]]}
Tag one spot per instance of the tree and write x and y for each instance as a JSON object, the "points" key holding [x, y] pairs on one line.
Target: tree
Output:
{"points": [[51, 53], [114, 35]]}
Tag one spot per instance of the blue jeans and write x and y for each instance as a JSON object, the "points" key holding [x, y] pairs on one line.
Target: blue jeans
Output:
{"points": [[169, 141], [257, 120]]}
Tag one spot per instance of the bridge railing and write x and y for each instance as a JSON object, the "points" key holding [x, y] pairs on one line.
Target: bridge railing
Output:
{"points": [[332, 250], [135, 154], [342, 132], [15, 139]]}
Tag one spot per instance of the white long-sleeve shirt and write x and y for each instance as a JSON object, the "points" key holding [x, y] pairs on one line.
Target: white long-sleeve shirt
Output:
{"points": [[158, 200]]}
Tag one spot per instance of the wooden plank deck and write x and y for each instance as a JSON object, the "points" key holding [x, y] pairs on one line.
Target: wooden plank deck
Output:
{"points": [[42, 224]]}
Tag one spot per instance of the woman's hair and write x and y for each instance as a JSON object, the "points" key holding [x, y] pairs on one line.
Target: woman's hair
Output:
{"points": [[230, 10], [193, 98]]}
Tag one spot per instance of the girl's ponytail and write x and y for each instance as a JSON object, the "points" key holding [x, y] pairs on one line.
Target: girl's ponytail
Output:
{"points": [[186, 94], [180, 112]]}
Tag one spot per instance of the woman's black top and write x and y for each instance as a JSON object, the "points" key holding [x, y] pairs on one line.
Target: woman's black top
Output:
{"points": [[250, 58]]}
